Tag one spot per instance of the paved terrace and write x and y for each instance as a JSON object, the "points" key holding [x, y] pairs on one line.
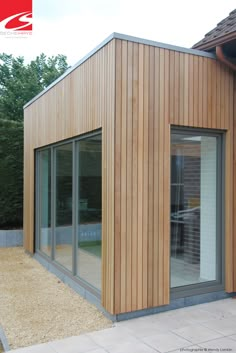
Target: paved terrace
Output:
{"points": [[207, 327]]}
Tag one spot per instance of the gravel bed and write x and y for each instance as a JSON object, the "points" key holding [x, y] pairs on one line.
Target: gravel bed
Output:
{"points": [[36, 307]]}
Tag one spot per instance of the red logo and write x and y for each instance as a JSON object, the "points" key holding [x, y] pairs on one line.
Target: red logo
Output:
{"points": [[16, 15]]}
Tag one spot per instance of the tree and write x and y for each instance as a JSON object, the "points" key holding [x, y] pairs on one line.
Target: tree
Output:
{"points": [[20, 82], [11, 173]]}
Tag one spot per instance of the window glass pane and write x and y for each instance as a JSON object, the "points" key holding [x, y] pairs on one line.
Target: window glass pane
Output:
{"points": [[45, 233], [63, 202], [193, 209], [90, 210]]}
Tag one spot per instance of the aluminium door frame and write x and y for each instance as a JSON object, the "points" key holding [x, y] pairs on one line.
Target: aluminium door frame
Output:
{"points": [[219, 283]]}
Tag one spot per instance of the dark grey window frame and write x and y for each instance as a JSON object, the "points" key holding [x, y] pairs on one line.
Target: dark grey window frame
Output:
{"points": [[71, 274], [218, 284]]}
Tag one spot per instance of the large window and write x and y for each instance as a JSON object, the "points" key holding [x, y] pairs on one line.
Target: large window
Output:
{"points": [[44, 202], [63, 204], [195, 208], [90, 210], [69, 206]]}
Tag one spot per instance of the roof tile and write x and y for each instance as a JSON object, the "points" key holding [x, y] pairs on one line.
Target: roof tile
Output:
{"points": [[224, 27]]}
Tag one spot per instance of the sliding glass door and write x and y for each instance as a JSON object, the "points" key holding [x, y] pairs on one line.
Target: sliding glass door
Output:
{"points": [[90, 210], [44, 202], [69, 206], [63, 204], [196, 229]]}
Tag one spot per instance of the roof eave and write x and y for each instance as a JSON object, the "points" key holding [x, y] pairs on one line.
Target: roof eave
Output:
{"points": [[215, 42]]}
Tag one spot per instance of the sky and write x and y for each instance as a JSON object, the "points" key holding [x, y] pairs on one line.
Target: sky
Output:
{"points": [[75, 27]]}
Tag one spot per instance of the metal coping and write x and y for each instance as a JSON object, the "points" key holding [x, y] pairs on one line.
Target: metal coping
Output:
{"points": [[130, 39]]}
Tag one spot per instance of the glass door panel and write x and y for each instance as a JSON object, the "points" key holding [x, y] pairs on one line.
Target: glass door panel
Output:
{"points": [[194, 189], [90, 210], [45, 230], [63, 203]]}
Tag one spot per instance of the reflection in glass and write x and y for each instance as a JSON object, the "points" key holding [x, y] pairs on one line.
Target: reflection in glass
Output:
{"points": [[45, 235], [90, 210], [193, 209], [63, 202]]}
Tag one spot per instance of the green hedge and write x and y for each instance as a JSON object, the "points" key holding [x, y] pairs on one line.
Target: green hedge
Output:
{"points": [[11, 174]]}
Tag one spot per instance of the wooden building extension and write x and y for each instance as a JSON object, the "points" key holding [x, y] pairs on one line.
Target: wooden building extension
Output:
{"points": [[136, 91]]}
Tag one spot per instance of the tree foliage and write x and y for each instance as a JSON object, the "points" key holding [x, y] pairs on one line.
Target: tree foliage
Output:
{"points": [[20, 82], [11, 173]]}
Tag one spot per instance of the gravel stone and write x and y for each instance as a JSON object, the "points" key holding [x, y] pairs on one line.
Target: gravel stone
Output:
{"points": [[35, 307]]}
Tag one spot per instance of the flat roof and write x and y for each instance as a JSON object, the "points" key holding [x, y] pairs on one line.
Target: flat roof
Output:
{"points": [[122, 37]]}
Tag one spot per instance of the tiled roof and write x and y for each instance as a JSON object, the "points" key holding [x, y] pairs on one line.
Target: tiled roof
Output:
{"points": [[225, 29]]}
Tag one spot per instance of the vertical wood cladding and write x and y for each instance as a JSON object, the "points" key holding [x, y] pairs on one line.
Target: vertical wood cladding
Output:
{"points": [[83, 101], [157, 88], [135, 92]]}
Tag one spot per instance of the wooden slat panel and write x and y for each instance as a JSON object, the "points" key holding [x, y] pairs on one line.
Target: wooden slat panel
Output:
{"points": [[172, 88], [181, 87], [150, 136], [83, 101], [176, 91], [214, 90], [135, 188], [209, 94], [156, 184], [145, 173], [129, 175], [118, 144], [123, 178], [196, 91], [186, 90], [140, 175], [204, 94], [172, 85], [161, 178], [200, 91], [190, 93], [150, 178]]}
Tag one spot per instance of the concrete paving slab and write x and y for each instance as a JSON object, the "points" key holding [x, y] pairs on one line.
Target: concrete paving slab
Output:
{"points": [[224, 344], [225, 326], [76, 344], [202, 331], [131, 348], [39, 348], [110, 336], [193, 316], [197, 333], [166, 342], [223, 308]]}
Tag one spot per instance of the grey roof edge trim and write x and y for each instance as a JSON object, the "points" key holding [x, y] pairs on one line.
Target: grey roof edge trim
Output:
{"points": [[121, 36], [164, 45]]}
